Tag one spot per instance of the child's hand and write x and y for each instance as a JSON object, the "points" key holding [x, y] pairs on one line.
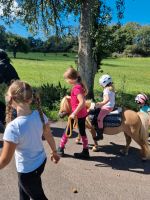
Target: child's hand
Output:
{"points": [[55, 157], [72, 116]]}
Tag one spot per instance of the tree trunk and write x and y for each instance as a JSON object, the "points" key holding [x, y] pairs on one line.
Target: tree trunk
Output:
{"points": [[86, 62]]}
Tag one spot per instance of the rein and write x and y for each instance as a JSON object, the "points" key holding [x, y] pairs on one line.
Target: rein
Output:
{"points": [[69, 126]]}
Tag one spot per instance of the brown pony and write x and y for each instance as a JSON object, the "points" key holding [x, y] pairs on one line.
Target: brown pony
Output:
{"points": [[134, 125]]}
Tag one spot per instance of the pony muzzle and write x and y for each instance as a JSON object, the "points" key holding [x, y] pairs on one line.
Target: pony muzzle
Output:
{"points": [[63, 114]]}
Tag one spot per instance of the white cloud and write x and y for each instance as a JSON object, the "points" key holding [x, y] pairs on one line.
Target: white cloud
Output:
{"points": [[14, 8]]}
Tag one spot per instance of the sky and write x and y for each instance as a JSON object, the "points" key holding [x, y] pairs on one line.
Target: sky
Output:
{"points": [[135, 11]]}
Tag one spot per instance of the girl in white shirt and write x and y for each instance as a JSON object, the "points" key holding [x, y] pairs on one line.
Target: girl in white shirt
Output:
{"points": [[108, 103], [23, 136]]}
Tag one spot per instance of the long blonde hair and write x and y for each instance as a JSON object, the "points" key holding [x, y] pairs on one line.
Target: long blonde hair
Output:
{"points": [[22, 92]]}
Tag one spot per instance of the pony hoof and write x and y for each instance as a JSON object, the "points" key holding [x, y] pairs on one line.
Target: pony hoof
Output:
{"points": [[123, 152], [95, 149], [77, 141]]}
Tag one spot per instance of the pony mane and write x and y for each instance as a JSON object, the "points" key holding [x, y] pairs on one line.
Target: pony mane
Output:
{"points": [[65, 105]]}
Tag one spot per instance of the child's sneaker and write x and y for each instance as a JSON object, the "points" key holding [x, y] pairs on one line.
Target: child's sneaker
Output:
{"points": [[83, 155], [60, 151]]}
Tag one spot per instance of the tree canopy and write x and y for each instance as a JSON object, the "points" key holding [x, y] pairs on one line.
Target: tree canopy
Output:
{"points": [[52, 15]]}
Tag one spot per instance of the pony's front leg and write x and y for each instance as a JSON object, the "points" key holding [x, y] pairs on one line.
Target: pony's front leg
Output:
{"points": [[125, 150], [93, 133]]}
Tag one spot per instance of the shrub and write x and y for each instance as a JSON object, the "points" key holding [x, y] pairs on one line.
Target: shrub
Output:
{"points": [[117, 55], [134, 51], [52, 94]]}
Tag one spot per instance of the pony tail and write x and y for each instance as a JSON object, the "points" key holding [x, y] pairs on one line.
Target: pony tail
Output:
{"points": [[9, 113], [37, 102]]}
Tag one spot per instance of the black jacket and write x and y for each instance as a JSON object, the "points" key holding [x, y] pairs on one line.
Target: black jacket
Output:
{"points": [[7, 72], [2, 112]]}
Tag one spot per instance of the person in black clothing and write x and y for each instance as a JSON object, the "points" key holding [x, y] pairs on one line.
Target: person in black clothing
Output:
{"points": [[2, 116], [7, 74], [7, 71]]}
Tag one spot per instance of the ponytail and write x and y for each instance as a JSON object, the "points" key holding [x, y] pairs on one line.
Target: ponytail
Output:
{"points": [[9, 112], [37, 102]]}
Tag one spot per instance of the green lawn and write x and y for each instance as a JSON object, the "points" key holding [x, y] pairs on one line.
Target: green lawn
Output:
{"points": [[38, 69], [130, 75], [135, 70]]}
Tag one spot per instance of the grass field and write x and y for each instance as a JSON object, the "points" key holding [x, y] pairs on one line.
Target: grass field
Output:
{"points": [[38, 69], [130, 75]]}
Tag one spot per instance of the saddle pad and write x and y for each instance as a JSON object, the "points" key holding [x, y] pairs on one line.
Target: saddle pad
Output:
{"points": [[111, 120]]}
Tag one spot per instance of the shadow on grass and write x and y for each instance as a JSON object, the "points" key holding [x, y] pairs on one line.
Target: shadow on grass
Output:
{"points": [[132, 162], [45, 58], [113, 65], [23, 58]]}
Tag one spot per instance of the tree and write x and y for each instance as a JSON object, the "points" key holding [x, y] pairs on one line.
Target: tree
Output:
{"points": [[3, 38], [17, 43], [52, 14], [124, 35], [36, 45], [142, 40]]}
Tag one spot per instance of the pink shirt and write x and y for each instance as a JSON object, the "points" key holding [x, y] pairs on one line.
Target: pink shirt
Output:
{"points": [[77, 89]]}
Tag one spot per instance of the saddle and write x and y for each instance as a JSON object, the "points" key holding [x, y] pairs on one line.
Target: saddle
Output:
{"points": [[113, 119]]}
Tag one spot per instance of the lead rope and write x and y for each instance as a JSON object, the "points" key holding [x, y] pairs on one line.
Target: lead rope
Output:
{"points": [[69, 126]]}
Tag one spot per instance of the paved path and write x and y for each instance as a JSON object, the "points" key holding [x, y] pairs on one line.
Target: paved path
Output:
{"points": [[106, 176]]}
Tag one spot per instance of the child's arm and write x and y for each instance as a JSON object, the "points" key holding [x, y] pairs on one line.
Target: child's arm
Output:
{"points": [[102, 103], [80, 105], [7, 153], [49, 138]]}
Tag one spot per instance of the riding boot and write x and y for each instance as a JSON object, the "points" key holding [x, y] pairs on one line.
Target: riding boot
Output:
{"points": [[83, 155], [99, 133]]}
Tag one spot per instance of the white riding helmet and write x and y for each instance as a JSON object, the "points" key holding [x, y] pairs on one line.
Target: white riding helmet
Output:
{"points": [[105, 80], [141, 98]]}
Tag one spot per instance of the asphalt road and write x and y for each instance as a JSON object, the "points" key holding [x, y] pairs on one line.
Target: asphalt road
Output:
{"points": [[105, 176]]}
